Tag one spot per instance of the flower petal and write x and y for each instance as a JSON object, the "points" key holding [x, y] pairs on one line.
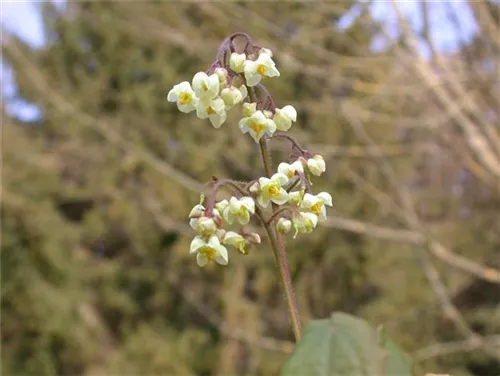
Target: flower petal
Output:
{"points": [[221, 257], [201, 259], [263, 200], [280, 178], [244, 217], [326, 197], [248, 203], [217, 120], [282, 198], [196, 244]]}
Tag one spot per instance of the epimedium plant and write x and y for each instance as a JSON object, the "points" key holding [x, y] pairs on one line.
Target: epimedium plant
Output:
{"points": [[282, 200]]}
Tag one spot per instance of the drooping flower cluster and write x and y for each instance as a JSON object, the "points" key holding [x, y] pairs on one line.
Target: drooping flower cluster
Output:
{"points": [[215, 94], [236, 77], [209, 244], [286, 190], [288, 186]]}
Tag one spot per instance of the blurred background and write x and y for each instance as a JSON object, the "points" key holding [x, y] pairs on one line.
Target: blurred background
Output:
{"points": [[99, 173]]}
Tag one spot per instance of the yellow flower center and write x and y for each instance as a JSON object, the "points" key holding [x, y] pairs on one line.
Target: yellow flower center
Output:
{"points": [[210, 111], [185, 98], [257, 127], [274, 191], [290, 174], [204, 86], [209, 252], [262, 69], [316, 208]]}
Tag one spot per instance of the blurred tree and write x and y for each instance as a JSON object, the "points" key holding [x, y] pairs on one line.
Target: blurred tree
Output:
{"points": [[96, 277]]}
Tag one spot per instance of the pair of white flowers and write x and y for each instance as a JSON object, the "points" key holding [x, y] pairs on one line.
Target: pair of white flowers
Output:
{"points": [[254, 70], [213, 249], [210, 96], [316, 166], [258, 123]]}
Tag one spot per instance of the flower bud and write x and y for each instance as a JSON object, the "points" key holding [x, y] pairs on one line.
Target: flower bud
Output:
{"points": [[236, 62], [197, 211], [223, 75], [284, 117], [255, 188], [284, 225], [204, 226], [253, 237], [316, 165], [249, 109], [231, 96], [295, 198]]}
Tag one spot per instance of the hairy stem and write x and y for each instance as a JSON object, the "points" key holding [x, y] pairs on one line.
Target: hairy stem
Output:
{"points": [[279, 251], [278, 244]]}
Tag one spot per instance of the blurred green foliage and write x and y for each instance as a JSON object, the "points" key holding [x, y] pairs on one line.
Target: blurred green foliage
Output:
{"points": [[96, 275]]}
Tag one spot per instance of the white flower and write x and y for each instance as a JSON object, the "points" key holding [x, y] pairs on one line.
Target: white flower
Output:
{"points": [[255, 70], [249, 109], [206, 87], [290, 169], [316, 204], [236, 240], [185, 97], [237, 61], [284, 117], [213, 109], [208, 251], [304, 223], [316, 165], [257, 125], [232, 96], [204, 226], [270, 190], [239, 210], [284, 225], [295, 198]]}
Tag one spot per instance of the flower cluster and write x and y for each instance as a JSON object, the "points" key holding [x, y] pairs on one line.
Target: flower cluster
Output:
{"points": [[209, 244], [288, 186], [211, 96], [215, 94], [236, 77]]}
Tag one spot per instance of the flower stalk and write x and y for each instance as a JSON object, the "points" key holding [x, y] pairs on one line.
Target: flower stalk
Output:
{"points": [[235, 78]]}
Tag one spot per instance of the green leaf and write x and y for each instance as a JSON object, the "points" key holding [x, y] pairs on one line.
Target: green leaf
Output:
{"points": [[345, 345]]}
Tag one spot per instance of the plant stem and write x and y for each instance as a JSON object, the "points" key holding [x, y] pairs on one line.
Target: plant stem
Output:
{"points": [[278, 246], [279, 251]]}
